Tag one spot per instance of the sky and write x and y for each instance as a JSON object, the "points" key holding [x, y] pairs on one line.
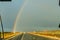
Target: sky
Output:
{"points": [[36, 15]]}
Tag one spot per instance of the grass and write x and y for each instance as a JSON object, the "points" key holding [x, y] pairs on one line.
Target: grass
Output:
{"points": [[9, 34], [53, 33]]}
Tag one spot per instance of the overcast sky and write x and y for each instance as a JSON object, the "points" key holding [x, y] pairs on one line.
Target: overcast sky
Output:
{"points": [[36, 15]]}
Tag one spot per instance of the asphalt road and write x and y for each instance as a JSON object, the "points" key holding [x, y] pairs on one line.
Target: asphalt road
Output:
{"points": [[26, 36], [34, 37]]}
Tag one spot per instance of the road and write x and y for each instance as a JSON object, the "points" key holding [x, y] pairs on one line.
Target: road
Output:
{"points": [[27, 36]]}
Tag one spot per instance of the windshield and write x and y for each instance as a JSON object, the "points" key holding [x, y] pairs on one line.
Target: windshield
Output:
{"points": [[30, 15], [30, 19]]}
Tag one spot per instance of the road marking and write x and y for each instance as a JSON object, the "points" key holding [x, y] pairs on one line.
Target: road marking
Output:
{"points": [[23, 36]]}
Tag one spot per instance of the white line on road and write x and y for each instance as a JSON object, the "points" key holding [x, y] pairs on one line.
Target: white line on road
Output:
{"points": [[23, 36]]}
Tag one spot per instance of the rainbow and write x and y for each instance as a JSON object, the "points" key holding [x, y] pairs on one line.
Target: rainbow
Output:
{"points": [[19, 14]]}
